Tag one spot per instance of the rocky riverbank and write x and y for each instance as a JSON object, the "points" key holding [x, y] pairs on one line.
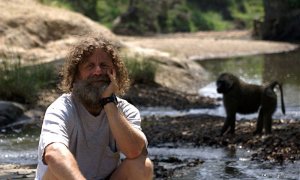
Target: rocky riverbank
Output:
{"points": [[203, 130], [196, 131]]}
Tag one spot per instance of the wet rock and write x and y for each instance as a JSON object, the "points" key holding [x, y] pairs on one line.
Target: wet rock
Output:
{"points": [[165, 168], [203, 130], [10, 112]]}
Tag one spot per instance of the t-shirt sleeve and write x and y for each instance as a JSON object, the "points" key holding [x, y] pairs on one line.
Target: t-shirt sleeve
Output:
{"points": [[55, 125], [131, 113]]}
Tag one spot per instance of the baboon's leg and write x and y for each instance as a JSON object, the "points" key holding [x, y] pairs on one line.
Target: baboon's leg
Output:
{"points": [[260, 122], [268, 123], [232, 126], [225, 126], [229, 123], [268, 117], [269, 102]]}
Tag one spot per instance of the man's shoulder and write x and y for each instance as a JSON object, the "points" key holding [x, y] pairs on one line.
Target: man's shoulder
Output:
{"points": [[65, 100], [123, 102]]}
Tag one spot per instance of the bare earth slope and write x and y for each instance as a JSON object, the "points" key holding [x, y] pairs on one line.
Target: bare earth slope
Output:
{"points": [[36, 32]]}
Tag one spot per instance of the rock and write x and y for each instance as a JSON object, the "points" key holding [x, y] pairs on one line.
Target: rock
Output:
{"points": [[9, 112]]}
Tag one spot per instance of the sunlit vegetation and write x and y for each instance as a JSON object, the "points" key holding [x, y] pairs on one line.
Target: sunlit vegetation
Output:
{"points": [[58, 3], [22, 83], [165, 16], [141, 70], [247, 11]]}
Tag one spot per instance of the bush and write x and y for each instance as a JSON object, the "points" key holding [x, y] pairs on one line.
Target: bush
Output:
{"points": [[245, 12], [166, 16], [58, 3], [141, 70], [22, 83], [177, 18], [108, 11], [210, 21]]}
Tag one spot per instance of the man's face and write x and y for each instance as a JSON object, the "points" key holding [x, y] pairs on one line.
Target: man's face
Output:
{"points": [[92, 78], [95, 66]]}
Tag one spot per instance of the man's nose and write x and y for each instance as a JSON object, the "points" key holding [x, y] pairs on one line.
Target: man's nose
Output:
{"points": [[99, 70]]}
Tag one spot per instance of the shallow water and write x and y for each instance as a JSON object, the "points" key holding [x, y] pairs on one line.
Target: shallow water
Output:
{"points": [[219, 163], [19, 148], [227, 164], [293, 112]]}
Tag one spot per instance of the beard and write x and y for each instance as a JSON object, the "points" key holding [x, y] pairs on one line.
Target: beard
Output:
{"points": [[89, 91]]}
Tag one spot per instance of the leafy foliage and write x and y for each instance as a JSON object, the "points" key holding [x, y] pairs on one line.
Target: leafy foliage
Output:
{"points": [[165, 16], [210, 21], [108, 11], [246, 11], [141, 70], [58, 3], [294, 4]]}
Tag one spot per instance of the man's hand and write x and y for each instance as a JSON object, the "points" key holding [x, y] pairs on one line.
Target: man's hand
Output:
{"points": [[113, 85]]}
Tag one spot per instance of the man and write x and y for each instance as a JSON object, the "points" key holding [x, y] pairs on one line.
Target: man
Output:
{"points": [[86, 128]]}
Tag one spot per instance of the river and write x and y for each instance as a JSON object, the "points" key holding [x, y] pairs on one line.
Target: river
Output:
{"points": [[219, 163], [21, 148]]}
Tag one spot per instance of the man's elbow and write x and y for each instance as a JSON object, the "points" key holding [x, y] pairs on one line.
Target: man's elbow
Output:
{"points": [[137, 152], [54, 152]]}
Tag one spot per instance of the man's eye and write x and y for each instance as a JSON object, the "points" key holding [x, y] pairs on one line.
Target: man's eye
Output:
{"points": [[104, 66], [90, 66]]}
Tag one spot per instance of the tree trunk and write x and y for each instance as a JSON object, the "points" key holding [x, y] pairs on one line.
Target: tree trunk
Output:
{"points": [[281, 21]]}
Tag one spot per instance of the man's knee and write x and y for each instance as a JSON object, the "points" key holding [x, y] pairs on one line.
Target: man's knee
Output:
{"points": [[148, 168], [49, 175], [141, 165], [138, 168]]}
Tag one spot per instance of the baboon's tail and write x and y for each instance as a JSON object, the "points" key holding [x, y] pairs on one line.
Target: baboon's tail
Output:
{"points": [[272, 85]]}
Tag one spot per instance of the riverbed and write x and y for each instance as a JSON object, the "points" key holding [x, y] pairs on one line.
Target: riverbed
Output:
{"points": [[187, 147]]}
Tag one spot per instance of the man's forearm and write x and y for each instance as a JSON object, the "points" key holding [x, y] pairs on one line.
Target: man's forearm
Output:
{"points": [[129, 140], [61, 163]]}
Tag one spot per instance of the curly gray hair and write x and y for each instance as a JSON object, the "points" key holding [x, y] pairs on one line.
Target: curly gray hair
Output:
{"points": [[84, 48]]}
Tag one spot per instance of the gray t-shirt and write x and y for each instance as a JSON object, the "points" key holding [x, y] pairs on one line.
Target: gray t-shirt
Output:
{"points": [[88, 137]]}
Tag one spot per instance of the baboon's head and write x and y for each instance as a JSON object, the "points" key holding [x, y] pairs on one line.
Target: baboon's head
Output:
{"points": [[225, 82]]}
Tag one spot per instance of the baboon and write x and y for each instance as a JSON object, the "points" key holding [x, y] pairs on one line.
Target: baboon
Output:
{"points": [[241, 97]]}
